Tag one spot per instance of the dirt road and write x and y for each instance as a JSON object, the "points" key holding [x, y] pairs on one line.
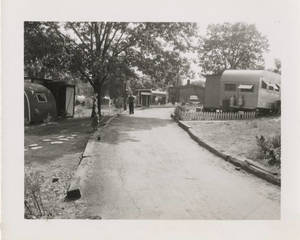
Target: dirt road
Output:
{"points": [[146, 167]]}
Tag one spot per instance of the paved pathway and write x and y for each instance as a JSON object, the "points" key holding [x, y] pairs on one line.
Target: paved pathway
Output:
{"points": [[146, 167]]}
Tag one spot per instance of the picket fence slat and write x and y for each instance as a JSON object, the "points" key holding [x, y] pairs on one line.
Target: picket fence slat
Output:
{"points": [[191, 116]]}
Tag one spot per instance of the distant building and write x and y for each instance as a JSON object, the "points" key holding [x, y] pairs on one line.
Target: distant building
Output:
{"points": [[147, 97], [186, 93]]}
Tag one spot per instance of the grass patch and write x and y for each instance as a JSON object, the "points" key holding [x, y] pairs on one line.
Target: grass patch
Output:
{"points": [[66, 128], [238, 138]]}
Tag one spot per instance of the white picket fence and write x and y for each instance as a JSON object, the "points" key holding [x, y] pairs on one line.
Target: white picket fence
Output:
{"points": [[189, 116]]}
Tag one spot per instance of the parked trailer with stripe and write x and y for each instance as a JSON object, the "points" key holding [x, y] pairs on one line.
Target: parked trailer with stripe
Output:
{"points": [[246, 90]]}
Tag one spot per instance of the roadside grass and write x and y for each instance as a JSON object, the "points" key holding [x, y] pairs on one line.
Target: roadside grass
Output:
{"points": [[238, 137], [79, 128], [50, 167]]}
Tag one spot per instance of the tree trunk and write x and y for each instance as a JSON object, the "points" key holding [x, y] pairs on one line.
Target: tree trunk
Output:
{"points": [[125, 102], [124, 96], [99, 102], [93, 108]]}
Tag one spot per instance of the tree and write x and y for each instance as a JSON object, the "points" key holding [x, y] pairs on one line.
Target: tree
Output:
{"points": [[44, 52], [232, 46], [97, 48], [277, 64]]}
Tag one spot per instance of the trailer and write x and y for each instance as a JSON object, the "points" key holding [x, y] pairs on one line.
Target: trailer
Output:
{"points": [[246, 90], [63, 92], [39, 103]]}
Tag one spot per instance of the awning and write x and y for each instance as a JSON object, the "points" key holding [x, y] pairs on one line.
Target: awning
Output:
{"points": [[193, 97], [247, 87], [277, 87], [145, 93], [159, 93]]}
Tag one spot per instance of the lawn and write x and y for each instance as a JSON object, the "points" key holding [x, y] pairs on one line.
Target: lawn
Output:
{"points": [[238, 137], [55, 139]]}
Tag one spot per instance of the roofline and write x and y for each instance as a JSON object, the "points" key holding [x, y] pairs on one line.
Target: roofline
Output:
{"points": [[241, 70], [187, 85], [49, 81], [212, 75]]}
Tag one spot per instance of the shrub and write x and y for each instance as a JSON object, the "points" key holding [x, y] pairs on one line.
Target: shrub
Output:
{"points": [[178, 110], [270, 149], [276, 141], [118, 102]]}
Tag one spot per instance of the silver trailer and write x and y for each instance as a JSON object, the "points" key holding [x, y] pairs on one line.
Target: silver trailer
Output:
{"points": [[242, 90]]}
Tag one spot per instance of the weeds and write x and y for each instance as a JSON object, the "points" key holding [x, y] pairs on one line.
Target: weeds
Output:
{"points": [[34, 207], [40, 196], [270, 149]]}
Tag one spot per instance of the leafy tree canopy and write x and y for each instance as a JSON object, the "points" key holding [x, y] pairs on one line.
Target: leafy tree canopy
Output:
{"points": [[44, 52], [103, 53], [232, 46], [277, 68]]}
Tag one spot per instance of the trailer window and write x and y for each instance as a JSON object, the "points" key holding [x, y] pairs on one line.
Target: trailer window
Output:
{"points": [[263, 85], [41, 97], [230, 87], [246, 88]]}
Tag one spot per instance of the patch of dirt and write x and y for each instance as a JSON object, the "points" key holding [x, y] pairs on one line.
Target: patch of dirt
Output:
{"points": [[237, 138]]}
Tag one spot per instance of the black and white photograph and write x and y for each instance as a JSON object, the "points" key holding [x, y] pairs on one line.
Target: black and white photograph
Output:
{"points": [[150, 119]]}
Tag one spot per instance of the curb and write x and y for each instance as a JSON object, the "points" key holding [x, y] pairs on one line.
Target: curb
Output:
{"points": [[73, 192], [245, 165]]}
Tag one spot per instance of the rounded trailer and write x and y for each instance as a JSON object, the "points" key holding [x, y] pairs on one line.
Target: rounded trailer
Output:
{"points": [[246, 90], [39, 103]]}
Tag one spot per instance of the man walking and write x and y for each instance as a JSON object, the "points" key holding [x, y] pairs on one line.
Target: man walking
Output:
{"points": [[131, 104]]}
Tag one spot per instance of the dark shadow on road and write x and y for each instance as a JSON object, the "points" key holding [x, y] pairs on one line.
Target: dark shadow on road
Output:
{"points": [[120, 129]]}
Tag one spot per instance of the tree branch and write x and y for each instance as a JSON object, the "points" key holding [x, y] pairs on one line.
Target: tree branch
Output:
{"points": [[87, 77], [102, 37], [106, 42], [78, 35]]}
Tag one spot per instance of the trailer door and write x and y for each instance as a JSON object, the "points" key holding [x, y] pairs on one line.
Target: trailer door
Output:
{"points": [[70, 95]]}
